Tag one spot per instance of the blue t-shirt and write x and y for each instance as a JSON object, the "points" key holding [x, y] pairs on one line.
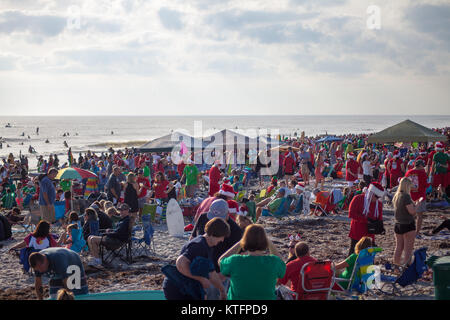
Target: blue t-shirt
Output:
{"points": [[197, 247], [46, 186]]}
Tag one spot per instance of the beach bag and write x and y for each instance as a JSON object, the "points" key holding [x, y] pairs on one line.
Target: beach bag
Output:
{"points": [[375, 227]]}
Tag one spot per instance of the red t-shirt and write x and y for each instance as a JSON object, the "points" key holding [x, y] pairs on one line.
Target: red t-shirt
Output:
{"points": [[396, 166], [145, 182], [420, 184], [289, 165], [180, 168], [204, 206], [214, 177], [430, 157], [358, 225], [160, 189], [293, 272], [354, 167]]}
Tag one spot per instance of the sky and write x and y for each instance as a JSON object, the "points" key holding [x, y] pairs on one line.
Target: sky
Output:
{"points": [[224, 57]]}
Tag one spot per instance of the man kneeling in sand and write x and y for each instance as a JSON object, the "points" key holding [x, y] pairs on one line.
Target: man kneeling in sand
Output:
{"points": [[64, 268]]}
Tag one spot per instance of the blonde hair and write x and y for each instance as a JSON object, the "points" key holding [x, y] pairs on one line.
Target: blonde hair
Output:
{"points": [[404, 186], [363, 243]]}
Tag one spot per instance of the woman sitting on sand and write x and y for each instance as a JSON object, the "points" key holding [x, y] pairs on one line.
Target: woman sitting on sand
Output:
{"points": [[253, 276]]}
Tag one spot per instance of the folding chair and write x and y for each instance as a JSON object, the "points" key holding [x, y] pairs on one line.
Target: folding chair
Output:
{"points": [[109, 253], [283, 209], [60, 210], [144, 245], [150, 209], [409, 275], [321, 202], [363, 274], [317, 280]]}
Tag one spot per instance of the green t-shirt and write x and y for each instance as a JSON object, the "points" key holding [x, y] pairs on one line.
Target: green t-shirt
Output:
{"points": [[65, 185], [8, 200], [191, 173], [252, 277], [146, 171], [29, 190], [347, 273], [440, 159]]}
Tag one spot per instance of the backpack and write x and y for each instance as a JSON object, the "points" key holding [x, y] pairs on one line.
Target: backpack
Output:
{"points": [[5, 228]]}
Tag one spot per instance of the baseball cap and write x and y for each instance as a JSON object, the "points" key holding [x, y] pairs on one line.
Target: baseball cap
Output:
{"points": [[218, 209], [123, 207]]}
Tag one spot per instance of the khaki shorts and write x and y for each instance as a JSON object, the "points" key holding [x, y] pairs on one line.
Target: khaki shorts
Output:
{"points": [[47, 214]]}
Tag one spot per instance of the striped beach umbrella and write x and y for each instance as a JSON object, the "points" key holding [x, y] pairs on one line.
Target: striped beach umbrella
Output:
{"points": [[75, 173]]}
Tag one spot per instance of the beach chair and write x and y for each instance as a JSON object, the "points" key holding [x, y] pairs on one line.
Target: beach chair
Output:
{"points": [[150, 209], [323, 203], [409, 275], [108, 253], [78, 242], [283, 209], [316, 281], [362, 277], [143, 246]]}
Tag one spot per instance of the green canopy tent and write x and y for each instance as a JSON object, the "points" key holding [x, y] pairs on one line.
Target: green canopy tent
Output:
{"points": [[406, 131]]}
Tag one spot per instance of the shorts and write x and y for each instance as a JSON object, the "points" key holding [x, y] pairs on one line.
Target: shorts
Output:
{"points": [[111, 243], [404, 228], [141, 202], [47, 214]]}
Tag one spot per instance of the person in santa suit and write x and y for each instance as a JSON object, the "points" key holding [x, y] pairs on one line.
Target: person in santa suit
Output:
{"points": [[387, 171], [365, 206], [351, 169], [419, 177], [214, 177], [429, 162], [396, 168], [233, 209]]}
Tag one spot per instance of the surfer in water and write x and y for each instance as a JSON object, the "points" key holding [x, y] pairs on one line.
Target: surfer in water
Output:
{"points": [[47, 141], [112, 132], [37, 130], [65, 144]]}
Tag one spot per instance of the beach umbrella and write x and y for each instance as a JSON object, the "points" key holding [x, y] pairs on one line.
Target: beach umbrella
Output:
{"points": [[75, 173], [71, 173], [285, 148], [329, 139]]}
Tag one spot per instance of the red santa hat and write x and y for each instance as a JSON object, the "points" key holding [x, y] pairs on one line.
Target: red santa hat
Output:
{"points": [[227, 190], [233, 207], [300, 186], [351, 155], [439, 146], [396, 154], [243, 210], [377, 189]]}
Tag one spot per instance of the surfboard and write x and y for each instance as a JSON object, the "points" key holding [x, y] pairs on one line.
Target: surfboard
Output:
{"points": [[174, 218]]}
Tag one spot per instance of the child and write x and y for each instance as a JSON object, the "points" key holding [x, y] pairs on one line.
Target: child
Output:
{"points": [[74, 218], [9, 199], [19, 197]]}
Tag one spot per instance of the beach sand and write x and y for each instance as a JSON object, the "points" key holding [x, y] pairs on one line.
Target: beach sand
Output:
{"points": [[327, 238]]}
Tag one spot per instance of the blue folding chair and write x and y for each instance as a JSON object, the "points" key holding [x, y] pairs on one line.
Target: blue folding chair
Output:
{"points": [[409, 276], [142, 246]]}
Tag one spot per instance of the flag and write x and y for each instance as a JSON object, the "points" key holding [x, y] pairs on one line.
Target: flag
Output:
{"points": [[183, 148]]}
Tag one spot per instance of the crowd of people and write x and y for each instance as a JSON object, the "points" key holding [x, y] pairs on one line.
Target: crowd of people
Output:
{"points": [[229, 255]]}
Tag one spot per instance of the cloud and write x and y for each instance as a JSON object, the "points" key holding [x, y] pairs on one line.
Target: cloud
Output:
{"points": [[41, 25], [7, 62], [102, 60], [171, 19], [433, 20]]}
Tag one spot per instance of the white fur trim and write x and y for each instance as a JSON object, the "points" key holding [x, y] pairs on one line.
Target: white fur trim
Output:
{"points": [[232, 210], [228, 194], [376, 191]]}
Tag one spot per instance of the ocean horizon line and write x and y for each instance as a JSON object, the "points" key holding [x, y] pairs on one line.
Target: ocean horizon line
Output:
{"points": [[232, 115]]}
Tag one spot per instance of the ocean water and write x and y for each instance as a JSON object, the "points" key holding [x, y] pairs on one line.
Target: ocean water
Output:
{"points": [[89, 133]]}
